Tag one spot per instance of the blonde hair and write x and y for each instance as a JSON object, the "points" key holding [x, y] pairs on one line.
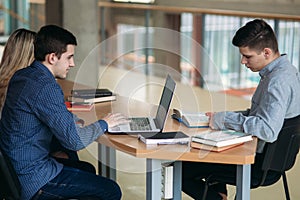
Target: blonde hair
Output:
{"points": [[18, 53]]}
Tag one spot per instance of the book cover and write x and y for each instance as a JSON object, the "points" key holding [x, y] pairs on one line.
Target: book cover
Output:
{"points": [[71, 106], [191, 119], [221, 138], [165, 138], [90, 93], [201, 146], [92, 99]]}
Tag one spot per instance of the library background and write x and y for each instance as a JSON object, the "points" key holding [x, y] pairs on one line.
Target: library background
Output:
{"points": [[212, 29], [209, 23]]}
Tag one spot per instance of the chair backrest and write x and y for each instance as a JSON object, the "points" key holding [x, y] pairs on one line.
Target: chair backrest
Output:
{"points": [[280, 156], [10, 187]]}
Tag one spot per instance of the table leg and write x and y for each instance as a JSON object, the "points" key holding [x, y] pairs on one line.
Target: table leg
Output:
{"points": [[154, 176], [177, 180], [107, 161], [107, 168], [243, 178], [153, 179]]}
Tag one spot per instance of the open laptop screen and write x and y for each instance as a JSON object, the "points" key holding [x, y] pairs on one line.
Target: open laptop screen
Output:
{"points": [[165, 101]]}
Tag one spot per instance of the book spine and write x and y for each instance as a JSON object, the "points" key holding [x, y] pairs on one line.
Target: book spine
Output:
{"points": [[91, 93]]}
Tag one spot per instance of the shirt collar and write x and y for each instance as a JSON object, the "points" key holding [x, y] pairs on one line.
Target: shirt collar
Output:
{"points": [[270, 67], [42, 67]]}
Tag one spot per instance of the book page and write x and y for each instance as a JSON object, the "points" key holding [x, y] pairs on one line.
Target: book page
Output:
{"points": [[195, 118], [192, 119]]}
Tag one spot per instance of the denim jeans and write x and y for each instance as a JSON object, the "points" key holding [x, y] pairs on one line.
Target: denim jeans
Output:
{"points": [[74, 183]]}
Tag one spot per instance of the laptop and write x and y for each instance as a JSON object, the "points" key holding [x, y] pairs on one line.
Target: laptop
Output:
{"points": [[149, 124]]}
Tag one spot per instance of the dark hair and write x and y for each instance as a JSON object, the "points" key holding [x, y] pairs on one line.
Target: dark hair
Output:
{"points": [[52, 39], [256, 35]]}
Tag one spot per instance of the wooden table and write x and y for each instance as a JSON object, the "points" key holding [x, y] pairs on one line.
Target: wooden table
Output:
{"points": [[243, 156]]}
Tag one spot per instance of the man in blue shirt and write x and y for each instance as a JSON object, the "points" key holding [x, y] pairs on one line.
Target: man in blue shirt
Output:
{"points": [[34, 112], [276, 98]]}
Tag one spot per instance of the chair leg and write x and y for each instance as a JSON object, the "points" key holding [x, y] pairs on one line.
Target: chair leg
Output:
{"points": [[207, 184], [286, 189], [205, 191]]}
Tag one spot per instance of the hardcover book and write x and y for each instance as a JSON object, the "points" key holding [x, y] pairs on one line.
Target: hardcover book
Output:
{"points": [[89, 93], [201, 146], [221, 138], [92, 99], [71, 106]]}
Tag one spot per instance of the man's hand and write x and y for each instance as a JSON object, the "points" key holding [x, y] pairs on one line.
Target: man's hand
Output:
{"points": [[115, 119], [211, 116]]}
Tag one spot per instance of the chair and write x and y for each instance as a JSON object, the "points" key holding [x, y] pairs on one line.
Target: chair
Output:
{"points": [[10, 187], [279, 157]]}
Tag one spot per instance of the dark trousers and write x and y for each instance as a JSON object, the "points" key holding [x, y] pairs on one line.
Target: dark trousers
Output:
{"points": [[82, 165], [77, 180], [73, 183], [193, 174]]}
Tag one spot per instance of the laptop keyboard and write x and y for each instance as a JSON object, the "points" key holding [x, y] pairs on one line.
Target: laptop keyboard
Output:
{"points": [[142, 124]]}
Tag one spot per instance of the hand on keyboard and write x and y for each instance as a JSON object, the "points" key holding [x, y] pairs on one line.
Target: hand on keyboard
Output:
{"points": [[115, 119]]}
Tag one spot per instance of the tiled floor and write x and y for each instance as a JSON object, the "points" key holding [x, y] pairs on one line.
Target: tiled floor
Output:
{"points": [[131, 178]]}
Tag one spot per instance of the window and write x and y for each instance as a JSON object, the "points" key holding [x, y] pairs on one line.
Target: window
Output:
{"points": [[131, 51], [289, 40], [217, 32], [217, 35]]}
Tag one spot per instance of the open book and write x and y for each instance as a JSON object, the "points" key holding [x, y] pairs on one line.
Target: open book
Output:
{"points": [[191, 119], [221, 138]]}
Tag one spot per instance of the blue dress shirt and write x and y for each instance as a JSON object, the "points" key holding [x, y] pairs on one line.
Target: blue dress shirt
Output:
{"points": [[276, 98], [33, 113]]}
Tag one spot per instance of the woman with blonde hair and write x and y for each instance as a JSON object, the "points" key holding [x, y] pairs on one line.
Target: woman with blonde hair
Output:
{"points": [[17, 54]]}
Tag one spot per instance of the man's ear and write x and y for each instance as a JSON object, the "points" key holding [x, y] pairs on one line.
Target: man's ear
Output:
{"points": [[52, 58], [267, 53]]}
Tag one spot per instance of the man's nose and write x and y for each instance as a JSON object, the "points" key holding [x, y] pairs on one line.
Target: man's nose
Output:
{"points": [[243, 60], [72, 63]]}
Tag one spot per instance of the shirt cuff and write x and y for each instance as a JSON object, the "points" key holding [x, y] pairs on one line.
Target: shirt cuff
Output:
{"points": [[219, 120], [103, 125]]}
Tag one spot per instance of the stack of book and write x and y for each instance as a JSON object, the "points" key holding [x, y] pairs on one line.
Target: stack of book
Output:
{"points": [[91, 95], [219, 140]]}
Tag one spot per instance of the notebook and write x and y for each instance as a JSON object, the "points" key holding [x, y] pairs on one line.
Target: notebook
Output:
{"points": [[150, 124]]}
